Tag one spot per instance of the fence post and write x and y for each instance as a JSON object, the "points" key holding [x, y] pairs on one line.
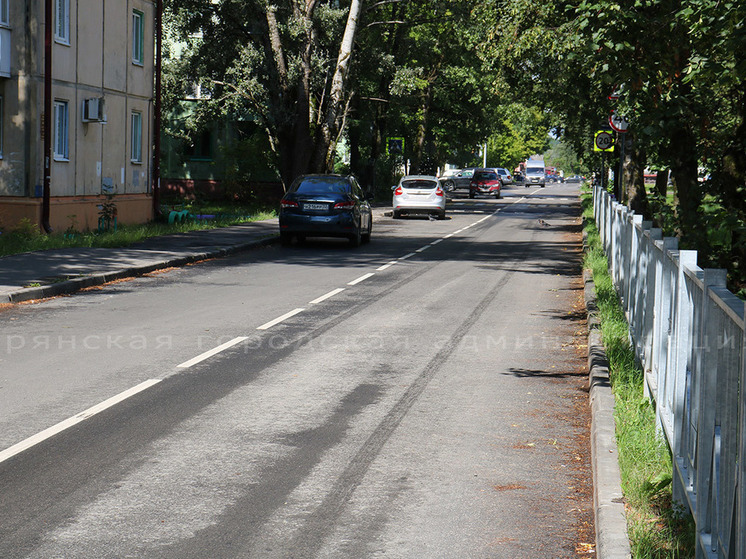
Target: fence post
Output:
{"points": [[680, 352], [663, 316], [740, 519], [650, 293], [706, 368]]}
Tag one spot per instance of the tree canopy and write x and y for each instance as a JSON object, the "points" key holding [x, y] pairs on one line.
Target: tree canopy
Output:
{"points": [[449, 76]]}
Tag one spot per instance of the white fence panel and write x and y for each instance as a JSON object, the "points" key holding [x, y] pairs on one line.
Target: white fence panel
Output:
{"points": [[687, 331]]}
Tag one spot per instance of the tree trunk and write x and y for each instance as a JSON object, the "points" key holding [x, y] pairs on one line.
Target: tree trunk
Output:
{"points": [[634, 178], [688, 192], [293, 143], [327, 133], [418, 146], [661, 183]]}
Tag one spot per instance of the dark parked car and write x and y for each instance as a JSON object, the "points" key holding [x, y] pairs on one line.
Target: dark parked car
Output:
{"points": [[325, 206]]}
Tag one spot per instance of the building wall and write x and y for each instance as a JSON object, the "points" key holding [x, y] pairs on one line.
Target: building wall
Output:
{"points": [[96, 62]]}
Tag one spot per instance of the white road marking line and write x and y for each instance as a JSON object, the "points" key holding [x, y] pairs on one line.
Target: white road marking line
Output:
{"points": [[327, 296], [74, 420], [385, 266], [423, 249], [449, 236], [436, 241], [410, 255], [210, 353], [268, 325], [361, 278]]}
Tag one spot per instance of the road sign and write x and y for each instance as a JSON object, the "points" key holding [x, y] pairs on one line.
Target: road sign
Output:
{"points": [[618, 122], [603, 141], [394, 146]]}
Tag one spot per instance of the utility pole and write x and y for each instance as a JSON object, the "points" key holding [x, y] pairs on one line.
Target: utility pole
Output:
{"points": [[47, 121]]}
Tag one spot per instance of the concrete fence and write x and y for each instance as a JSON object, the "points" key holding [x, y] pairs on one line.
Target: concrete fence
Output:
{"points": [[687, 331]]}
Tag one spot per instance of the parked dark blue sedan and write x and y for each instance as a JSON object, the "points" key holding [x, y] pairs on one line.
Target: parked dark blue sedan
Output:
{"points": [[325, 206]]}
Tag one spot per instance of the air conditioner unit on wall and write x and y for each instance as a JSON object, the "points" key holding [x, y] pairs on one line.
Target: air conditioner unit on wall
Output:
{"points": [[93, 110]]}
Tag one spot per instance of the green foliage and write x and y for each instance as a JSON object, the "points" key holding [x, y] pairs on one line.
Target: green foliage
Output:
{"points": [[519, 133]]}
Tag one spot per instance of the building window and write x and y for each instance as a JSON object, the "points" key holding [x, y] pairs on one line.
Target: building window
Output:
{"points": [[4, 15], [138, 37], [61, 120], [136, 141], [62, 25]]}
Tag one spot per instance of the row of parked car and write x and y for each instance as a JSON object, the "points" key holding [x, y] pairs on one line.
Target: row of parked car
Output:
{"points": [[337, 206], [426, 194], [457, 179]]}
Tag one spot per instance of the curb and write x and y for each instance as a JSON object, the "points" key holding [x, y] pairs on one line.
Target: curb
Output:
{"points": [[71, 286], [612, 541]]}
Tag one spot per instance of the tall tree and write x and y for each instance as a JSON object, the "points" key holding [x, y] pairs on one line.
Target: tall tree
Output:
{"points": [[284, 65]]}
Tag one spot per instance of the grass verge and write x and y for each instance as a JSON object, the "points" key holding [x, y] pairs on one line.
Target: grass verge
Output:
{"points": [[28, 238], [657, 527]]}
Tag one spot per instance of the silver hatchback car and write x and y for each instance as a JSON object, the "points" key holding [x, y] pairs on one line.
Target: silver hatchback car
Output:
{"points": [[419, 194]]}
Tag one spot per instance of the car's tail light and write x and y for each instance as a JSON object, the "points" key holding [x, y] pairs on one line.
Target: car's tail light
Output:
{"points": [[399, 191], [288, 204], [438, 191], [348, 205]]}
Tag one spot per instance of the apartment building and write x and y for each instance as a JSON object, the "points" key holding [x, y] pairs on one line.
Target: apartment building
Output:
{"points": [[102, 71]]}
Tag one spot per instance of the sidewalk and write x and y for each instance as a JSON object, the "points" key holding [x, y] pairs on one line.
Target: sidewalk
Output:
{"points": [[48, 273]]}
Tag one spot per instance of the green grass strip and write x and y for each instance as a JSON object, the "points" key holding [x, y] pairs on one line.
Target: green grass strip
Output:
{"points": [[28, 238], [657, 527]]}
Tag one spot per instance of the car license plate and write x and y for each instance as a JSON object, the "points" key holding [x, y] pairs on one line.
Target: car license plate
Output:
{"points": [[315, 207]]}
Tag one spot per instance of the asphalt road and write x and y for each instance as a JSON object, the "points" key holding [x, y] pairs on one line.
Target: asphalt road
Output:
{"points": [[420, 396]]}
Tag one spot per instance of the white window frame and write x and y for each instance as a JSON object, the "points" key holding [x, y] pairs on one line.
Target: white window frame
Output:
{"points": [[62, 21], [136, 137], [138, 37], [61, 130], [5, 13]]}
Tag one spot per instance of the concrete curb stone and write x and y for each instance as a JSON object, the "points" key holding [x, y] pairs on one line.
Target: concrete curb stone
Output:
{"points": [[612, 541]]}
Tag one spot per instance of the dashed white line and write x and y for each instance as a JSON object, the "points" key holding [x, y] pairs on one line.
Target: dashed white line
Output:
{"points": [[268, 325], [423, 249], [327, 296], [410, 255], [436, 241], [385, 266], [201, 357], [361, 278], [74, 420]]}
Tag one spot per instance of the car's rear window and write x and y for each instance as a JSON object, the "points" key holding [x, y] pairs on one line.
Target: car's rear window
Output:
{"points": [[419, 183], [321, 185], [485, 176]]}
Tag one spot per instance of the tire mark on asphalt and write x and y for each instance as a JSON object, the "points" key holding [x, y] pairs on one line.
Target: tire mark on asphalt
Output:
{"points": [[321, 522]]}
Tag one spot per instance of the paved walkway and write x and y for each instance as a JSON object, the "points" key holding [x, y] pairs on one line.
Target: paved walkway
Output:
{"points": [[48, 273]]}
